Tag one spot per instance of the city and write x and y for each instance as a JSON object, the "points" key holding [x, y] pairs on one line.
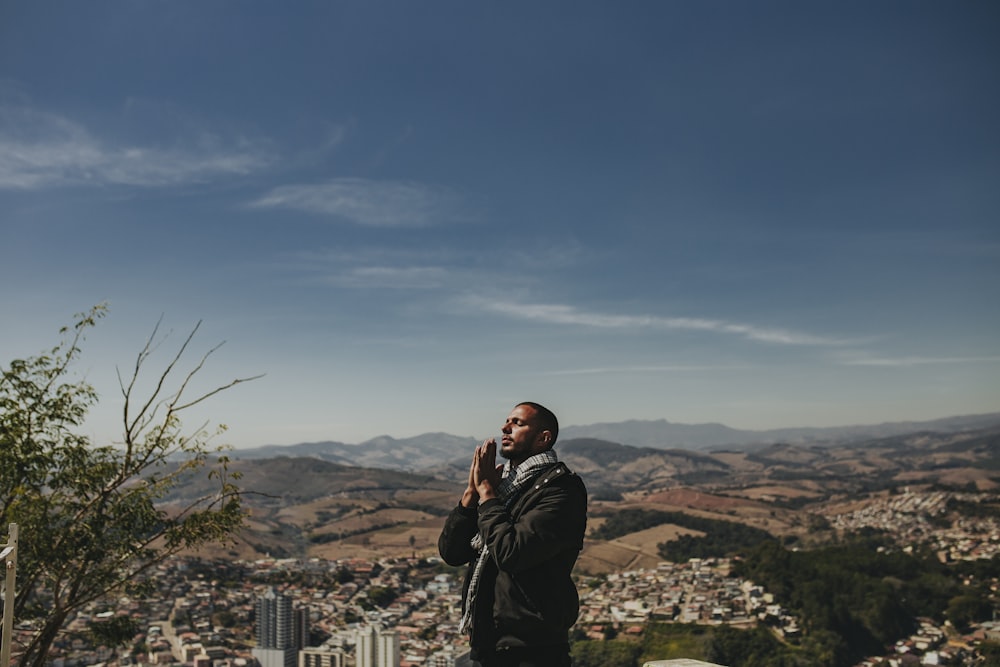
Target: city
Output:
{"points": [[404, 611]]}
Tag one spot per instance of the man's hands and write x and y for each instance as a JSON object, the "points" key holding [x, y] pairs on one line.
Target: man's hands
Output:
{"points": [[471, 496], [484, 474]]}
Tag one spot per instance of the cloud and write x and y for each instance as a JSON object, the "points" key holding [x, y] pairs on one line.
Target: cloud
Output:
{"points": [[373, 267], [917, 361], [564, 314], [392, 277], [39, 149], [670, 368], [368, 203]]}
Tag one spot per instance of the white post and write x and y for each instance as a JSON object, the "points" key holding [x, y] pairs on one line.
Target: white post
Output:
{"points": [[9, 558]]}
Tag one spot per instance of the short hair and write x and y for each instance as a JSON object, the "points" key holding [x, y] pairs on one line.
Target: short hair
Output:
{"points": [[546, 419]]}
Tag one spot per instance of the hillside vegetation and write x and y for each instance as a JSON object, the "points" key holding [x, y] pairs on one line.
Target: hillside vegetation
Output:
{"points": [[307, 506]]}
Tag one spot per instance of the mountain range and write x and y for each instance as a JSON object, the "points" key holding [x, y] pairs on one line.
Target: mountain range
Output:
{"points": [[430, 451], [302, 505]]}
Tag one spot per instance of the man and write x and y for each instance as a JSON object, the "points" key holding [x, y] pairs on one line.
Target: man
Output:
{"points": [[520, 528]]}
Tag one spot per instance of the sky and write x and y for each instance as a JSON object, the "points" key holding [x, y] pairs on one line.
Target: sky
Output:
{"points": [[408, 216]]}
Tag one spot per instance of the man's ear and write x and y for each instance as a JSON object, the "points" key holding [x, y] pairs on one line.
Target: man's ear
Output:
{"points": [[546, 437]]}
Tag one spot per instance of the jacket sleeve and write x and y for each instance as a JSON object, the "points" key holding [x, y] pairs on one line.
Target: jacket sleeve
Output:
{"points": [[555, 523], [454, 541]]}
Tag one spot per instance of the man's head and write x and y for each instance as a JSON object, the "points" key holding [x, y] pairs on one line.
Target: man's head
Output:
{"points": [[530, 429]]}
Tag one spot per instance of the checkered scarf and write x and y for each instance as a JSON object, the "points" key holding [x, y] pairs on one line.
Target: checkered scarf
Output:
{"points": [[512, 483]]}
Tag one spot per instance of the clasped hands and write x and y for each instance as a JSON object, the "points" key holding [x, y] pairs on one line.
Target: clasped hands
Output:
{"points": [[484, 474]]}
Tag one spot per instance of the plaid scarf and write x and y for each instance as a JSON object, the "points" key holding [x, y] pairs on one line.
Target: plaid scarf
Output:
{"points": [[512, 483]]}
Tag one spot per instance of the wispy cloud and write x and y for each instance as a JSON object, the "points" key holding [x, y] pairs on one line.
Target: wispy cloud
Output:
{"points": [[918, 361], [390, 277], [374, 267], [564, 314], [670, 368], [367, 202], [40, 149]]}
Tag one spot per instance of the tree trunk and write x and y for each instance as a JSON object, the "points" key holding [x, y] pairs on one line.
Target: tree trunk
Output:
{"points": [[37, 652]]}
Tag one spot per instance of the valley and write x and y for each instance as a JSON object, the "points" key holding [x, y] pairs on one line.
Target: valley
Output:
{"points": [[309, 507]]}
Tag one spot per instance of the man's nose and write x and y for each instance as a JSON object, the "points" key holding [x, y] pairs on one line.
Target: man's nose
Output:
{"points": [[506, 428]]}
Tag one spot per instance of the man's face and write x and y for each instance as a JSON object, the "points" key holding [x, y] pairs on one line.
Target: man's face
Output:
{"points": [[522, 436]]}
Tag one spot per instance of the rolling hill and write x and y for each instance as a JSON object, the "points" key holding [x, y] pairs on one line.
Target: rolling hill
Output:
{"points": [[429, 451], [307, 506]]}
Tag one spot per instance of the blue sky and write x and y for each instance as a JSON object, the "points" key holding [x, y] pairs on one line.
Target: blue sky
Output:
{"points": [[411, 215]]}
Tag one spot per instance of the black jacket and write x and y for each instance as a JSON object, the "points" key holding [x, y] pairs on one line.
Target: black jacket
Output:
{"points": [[526, 597]]}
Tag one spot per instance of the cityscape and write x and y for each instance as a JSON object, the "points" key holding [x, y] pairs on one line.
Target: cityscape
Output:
{"points": [[404, 612], [276, 271]]}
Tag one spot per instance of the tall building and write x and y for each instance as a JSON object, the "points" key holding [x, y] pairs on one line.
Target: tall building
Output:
{"points": [[274, 620], [281, 630], [364, 648], [300, 628], [377, 648], [387, 653]]}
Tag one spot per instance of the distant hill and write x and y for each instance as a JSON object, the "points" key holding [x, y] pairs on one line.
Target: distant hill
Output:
{"points": [[299, 506], [422, 452], [290, 480], [305, 506], [662, 434], [431, 451], [781, 469]]}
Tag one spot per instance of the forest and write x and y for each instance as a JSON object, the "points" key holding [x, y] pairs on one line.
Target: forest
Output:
{"points": [[860, 596], [854, 599]]}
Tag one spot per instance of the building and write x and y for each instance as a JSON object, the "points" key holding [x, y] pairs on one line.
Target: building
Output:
{"points": [[281, 631], [278, 625], [321, 657], [449, 656], [377, 648]]}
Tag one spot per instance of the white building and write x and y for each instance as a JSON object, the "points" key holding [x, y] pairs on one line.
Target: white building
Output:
{"points": [[377, 648], [321, 657]]}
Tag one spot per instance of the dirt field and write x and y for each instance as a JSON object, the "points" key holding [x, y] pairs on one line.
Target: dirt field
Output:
{"points": [[390, 542], [983, 479], [685, 498], [635, 550], [776, 491], [371, 521]]}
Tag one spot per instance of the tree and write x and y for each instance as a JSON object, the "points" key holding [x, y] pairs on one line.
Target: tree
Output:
{"points": [[991, 654], [382, 596], [89, 516], [114, 632], [605, 654], [966, 609]]}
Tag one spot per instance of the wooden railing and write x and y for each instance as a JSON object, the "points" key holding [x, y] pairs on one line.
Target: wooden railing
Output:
{"points": [[8, 556]]}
